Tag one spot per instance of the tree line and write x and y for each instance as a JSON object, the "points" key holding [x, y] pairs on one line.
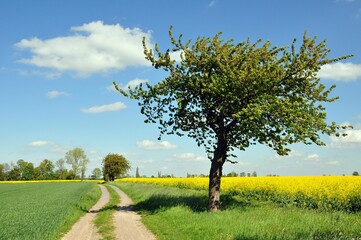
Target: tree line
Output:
{"points": [[49, 170], [114, 166]]}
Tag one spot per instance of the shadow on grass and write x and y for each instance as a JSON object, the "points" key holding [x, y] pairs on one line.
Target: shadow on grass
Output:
{"points": [[199, 203]]}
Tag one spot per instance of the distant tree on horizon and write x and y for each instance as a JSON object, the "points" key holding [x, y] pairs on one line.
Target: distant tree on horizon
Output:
{"points": [[77, 159], [114, 165]]}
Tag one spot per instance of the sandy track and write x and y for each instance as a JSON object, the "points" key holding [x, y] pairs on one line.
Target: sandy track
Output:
{"points": [[85, 229], [127, 222]]}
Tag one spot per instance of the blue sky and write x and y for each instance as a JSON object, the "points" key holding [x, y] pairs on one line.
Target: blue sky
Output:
{"points": [[58, 60]]}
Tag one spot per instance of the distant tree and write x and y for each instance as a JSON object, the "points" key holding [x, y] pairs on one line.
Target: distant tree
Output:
{"points": [[83, 166], [61, 170], [45, 170], [355, 173], [2, 172], [254, 174], [230, 95], [114, 165], [14, 174], [232, 174], [242, 174], [28, 172], [75, 158], [159, 174], [96, 173], [137, 175], [248, 174]]}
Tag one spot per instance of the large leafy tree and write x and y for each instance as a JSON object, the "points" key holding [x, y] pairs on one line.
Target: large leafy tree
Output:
{"points": [[114, 165], [230, 95], [77, 159]]}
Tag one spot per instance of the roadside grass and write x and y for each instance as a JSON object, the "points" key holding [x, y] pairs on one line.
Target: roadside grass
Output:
{"points": [[43, 210], [173, 213], [104, 218]]}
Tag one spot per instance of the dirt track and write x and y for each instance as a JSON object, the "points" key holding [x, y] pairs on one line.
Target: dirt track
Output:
{"points": [[127, 222], [85, 229]]}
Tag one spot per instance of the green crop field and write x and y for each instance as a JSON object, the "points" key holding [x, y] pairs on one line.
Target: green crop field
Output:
{"points": [[43, 210]]}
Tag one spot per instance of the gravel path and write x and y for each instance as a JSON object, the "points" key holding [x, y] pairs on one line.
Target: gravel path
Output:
{"points": [[85, 229], [127, 222]]}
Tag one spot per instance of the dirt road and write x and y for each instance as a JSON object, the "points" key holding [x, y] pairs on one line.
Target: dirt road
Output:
{"points": [[127, 222], [85, 229]]}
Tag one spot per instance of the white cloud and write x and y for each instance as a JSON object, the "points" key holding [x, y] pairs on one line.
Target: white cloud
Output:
{"points": [[94, 47], [190, 157], [132, 84], [151, 145], [105, 108], [340, 71], [353, 136], [176, 55], [38, 143], [313, 157], [54, 94], [135, 82], [352, 140], [333, 163]]}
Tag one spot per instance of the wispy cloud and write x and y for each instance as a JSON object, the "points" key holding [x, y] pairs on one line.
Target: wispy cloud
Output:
{"points": [[352, 140], [55, 94], [190, 157], [94, 47], [212, 3], [313, 157], [340, 72], [105, 108], [152, 145], [38, 143], [132, 84]]}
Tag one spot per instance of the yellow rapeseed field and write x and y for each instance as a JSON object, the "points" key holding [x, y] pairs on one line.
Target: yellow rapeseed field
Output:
{"points": [[322, 192]]}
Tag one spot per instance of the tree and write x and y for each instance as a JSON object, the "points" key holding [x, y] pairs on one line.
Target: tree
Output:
{"points": [[83, 163], [61, 171], [75, 158], [26, 170], [114, 165], [96, 173], [355, 173], [45, 170], [229, 96], [137, 175], [2, 172]]}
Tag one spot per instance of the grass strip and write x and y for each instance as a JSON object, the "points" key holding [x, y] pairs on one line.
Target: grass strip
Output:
{"points": [[173, 213], [104, 219]]}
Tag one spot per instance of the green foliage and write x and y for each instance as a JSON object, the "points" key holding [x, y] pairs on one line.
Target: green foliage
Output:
{"points": [[43, 210], [96, 173], [45, 170], [250, 92], [173, 213], [115, 165], [78, 160]]}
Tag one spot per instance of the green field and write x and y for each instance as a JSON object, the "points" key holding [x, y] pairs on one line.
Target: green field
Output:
{"points": [[173, 213], [43, 210]]}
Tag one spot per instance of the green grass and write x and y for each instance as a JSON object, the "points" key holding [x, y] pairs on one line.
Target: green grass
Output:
{"points": [[43, 210], [173, 213], [103, 219]]}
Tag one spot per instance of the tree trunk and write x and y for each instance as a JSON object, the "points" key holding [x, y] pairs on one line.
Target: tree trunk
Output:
{"points": [[215, 174]]}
